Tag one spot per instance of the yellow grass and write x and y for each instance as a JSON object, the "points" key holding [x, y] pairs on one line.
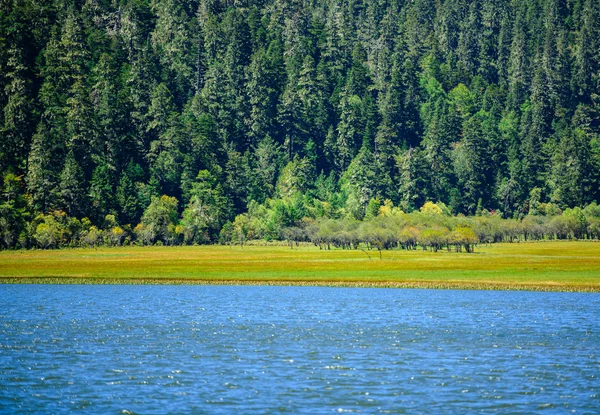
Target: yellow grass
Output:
{"points": [[556, 266]]}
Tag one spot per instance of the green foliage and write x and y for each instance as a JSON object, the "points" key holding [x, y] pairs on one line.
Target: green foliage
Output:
{"points": [[372, 209], [207, 210], [296, 176], [307, 109], [430, 208], [13, 213], [158, 221]]}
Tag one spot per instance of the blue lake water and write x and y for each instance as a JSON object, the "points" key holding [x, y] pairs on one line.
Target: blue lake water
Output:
{"points": [[255, 350]]}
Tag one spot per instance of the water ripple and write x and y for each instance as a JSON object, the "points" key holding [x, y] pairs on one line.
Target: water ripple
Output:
{"points": [[254, 350]]}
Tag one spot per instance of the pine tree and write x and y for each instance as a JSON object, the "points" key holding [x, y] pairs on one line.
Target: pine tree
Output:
{"points": [[18, 114], [73, 190], [128, 202], [42, 174], [572, 170], [101, 193], [79, 123], [112, 108], [472, 165], [172, 40], [348, 130], [573, 177], [536, 130], [587, 55], [440, 135], [141, 82], [412, 179], [269, 159], [555, 57], [313, 109], [262, 98], [468, 50], [518, 64], [199, 145], [165, 155]]}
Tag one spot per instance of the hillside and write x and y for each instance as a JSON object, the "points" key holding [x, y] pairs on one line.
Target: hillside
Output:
{"points": [[231, 106]]}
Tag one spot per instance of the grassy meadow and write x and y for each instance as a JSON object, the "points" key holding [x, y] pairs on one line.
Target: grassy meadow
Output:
{"points": [[552, 266]]}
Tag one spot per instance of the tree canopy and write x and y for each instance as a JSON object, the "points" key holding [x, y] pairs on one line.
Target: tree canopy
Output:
{"points": [[305, 109]]}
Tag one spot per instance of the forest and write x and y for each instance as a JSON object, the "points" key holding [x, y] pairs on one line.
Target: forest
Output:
{"points": [[390, 123]]}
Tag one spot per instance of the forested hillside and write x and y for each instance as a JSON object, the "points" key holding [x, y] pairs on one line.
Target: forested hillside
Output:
{"points": [[172, 117]]}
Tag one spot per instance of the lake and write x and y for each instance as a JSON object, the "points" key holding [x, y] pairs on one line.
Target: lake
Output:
{"points": [[251, 350]]}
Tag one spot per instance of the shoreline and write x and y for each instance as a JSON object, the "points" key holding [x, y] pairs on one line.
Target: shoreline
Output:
{"points": [[431, 285]]}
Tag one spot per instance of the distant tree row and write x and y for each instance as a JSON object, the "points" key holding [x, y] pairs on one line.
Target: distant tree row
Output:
{"points": [[227, 107], [388, 227], [299, 219]]}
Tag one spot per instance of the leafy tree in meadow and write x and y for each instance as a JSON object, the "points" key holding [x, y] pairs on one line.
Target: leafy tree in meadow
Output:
{"points": [[159, 220], [463, 237]]}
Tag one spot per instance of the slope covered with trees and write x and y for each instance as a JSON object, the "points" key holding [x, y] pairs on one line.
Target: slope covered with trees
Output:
{"points": [[177, 120]]}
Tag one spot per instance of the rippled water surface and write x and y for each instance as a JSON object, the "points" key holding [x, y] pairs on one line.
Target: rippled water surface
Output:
{"points": [[254, 350]]}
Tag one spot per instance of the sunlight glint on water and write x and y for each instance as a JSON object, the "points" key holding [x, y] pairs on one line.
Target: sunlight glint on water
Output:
{"points": [[206, 349]]}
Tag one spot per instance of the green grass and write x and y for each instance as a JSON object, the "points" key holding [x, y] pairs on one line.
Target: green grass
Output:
{"points": [[554, 266]]}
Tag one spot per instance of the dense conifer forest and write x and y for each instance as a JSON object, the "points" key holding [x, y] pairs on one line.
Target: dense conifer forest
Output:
{"points": [[199, 121]]}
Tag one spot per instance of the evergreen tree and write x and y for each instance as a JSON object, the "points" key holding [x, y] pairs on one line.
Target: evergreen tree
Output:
{"points": [[313, 109], [572, 174], [111, 107], [440, 135], [165, 157], [518, 64], [128, 201], [42, 174], [17, 127], [412, 180], [172, 40], [269, 158], [263, 94], [588, 50], [472, 165], [102, 195], [72, 187]]}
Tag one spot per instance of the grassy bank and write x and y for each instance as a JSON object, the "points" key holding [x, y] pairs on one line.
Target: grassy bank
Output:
{"points": [[552, 266]]}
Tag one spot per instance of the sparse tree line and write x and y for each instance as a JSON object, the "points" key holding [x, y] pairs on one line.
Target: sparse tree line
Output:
{"points": [[432, 227], [249, 116]]}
